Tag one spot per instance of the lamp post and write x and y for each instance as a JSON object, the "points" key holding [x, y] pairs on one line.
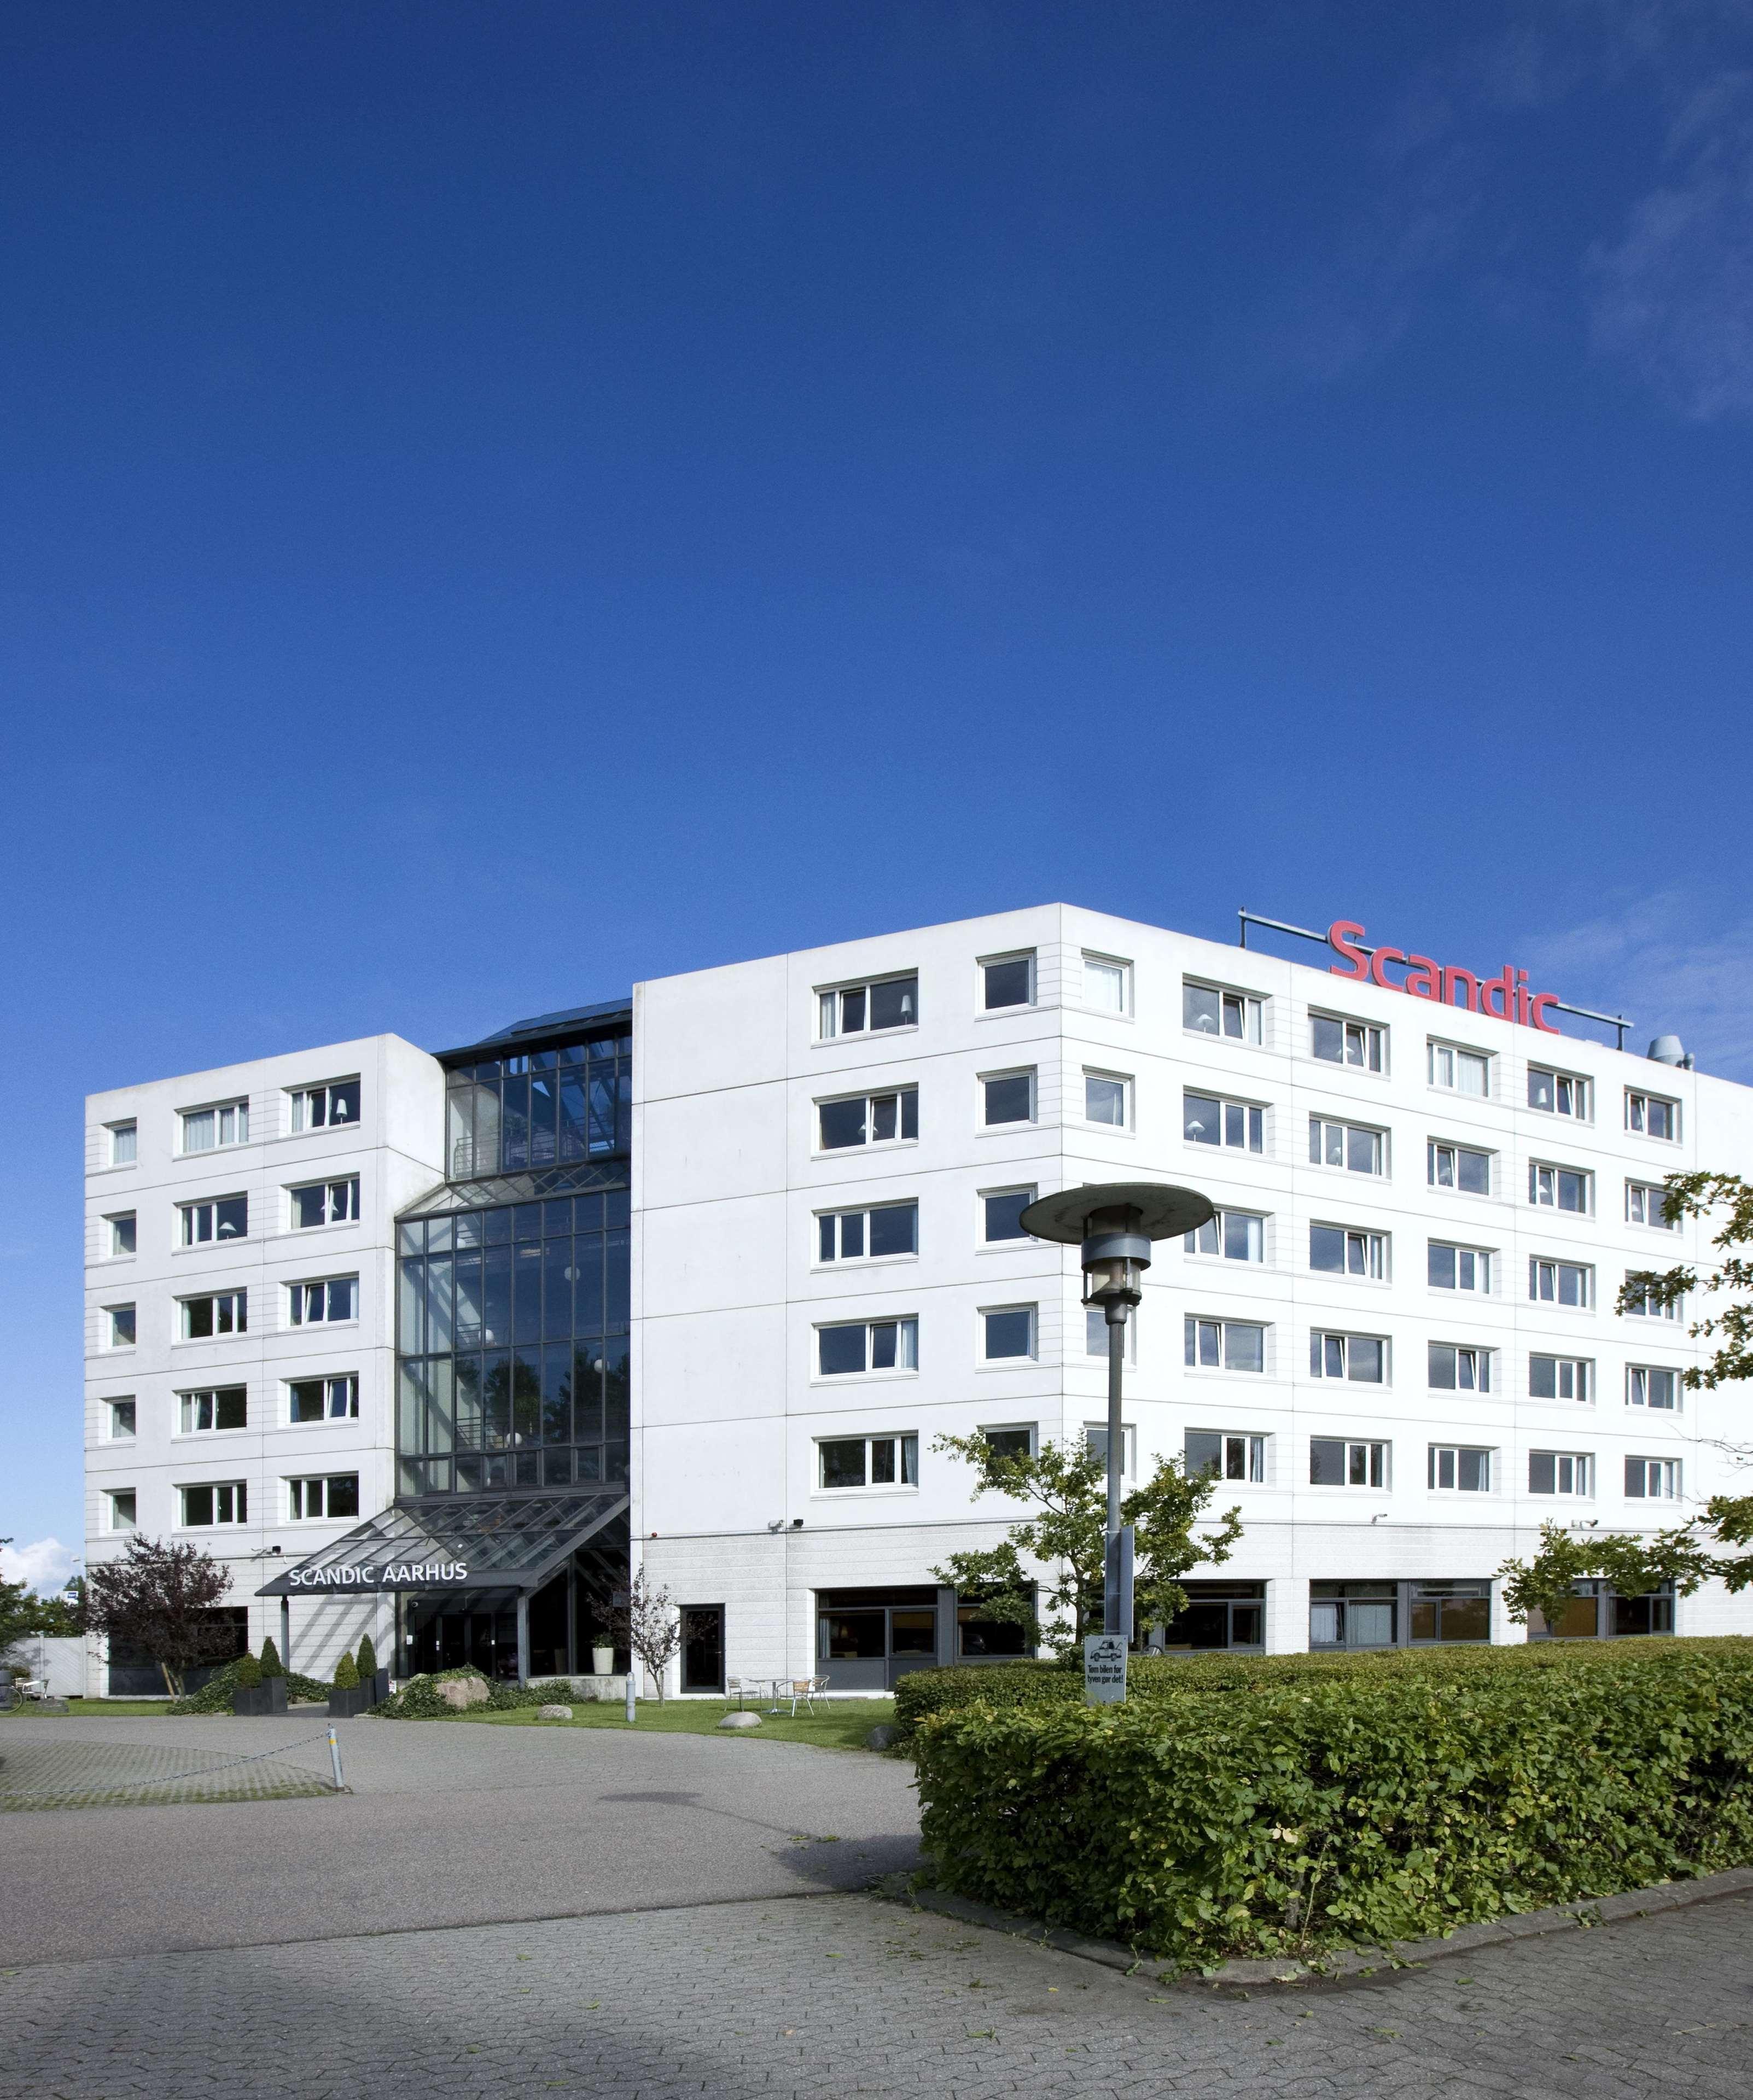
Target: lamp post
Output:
{"points": [[1113, 1224]]}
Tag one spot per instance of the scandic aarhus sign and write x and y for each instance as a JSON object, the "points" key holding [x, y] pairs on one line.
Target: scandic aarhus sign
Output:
{"points": [[1505, 998], [391, 1575]]}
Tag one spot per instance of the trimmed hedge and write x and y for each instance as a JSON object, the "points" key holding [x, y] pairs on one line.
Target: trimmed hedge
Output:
{"points": [[214, 1696], [1333, 1808]]}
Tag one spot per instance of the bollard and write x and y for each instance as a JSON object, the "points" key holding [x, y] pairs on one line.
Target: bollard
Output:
{"points": [[334, 1759], [631, 1716]]}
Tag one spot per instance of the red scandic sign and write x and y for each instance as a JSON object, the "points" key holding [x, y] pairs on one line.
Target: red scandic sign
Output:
{"points": [[1505, 998]]}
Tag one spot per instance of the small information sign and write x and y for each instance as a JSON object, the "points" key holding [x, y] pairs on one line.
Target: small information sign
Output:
{"points": [[1104, 1669]]}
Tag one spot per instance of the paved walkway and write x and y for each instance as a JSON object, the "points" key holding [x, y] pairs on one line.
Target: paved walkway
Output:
{"points": [[843, 1995]]}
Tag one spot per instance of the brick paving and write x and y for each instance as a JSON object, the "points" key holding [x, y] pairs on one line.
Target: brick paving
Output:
{"points": [[846, 1994], [61, 1772]]}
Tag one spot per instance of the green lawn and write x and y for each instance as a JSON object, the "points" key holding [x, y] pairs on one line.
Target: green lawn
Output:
{"points": [[128, 1709], [835, 1725]]}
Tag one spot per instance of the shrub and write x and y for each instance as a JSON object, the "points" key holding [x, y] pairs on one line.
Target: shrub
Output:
{"points": [[247, 1673], [272, 1665], [418, 1698], [214, 1696], [1348, 1805], [368, 1660], [346, 1674]]}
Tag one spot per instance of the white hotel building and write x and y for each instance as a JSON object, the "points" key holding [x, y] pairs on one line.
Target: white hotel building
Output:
{"points": [[430, 1345]]}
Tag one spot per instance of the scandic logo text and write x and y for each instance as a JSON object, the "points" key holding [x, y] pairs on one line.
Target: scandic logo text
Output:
{"points": [[399, 1575], [1505, 998]]}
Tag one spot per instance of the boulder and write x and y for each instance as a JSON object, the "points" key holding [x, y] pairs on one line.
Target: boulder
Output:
{"points": [[554, 1712], [740, 1720], [882, 1737], [461, 1692]]}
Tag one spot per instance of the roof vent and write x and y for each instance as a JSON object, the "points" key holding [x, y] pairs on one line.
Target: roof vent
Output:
{"points": [[1669, 1050]]}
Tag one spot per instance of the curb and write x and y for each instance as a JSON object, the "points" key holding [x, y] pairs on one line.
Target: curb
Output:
{"points": [[1355, 1960]]}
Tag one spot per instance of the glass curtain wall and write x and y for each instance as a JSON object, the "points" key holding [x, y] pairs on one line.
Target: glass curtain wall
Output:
{"points": [[539, 1108], [512, 1333]]}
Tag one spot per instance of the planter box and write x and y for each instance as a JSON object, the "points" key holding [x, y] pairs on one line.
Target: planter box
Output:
{"points": [[345, 1702], [380, 1688], [269, 1696]]}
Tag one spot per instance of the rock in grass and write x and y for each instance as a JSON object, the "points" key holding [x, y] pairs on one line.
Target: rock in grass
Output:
{"points": [[882, 1737], [740, 1720], [554, 1712]]}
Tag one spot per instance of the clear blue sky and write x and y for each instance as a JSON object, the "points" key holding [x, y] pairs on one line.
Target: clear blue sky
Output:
{"points": [[499, 501]]}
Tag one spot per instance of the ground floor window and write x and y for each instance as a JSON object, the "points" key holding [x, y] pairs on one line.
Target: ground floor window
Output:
{"points": [[703, 1647], [1448, 1612], [1389, 1614], [1219, 1615], [133, 1675], [868, 1639], [980, 1637], [1596, 1613]]}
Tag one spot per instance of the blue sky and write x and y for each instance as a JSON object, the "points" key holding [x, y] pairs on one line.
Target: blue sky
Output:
{"points": [[499, 501]]}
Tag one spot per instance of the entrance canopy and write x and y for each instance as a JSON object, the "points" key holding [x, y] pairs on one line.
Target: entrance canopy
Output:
{"points": [[508, 1542]]}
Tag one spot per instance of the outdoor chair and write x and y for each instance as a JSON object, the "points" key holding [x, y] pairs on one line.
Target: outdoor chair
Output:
{"points": [[734, 1685], [803, 1688]]}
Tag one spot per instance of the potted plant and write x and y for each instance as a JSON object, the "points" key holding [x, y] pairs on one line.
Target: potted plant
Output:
{"points": [[249, 1694], [273, 1678], [370, 1674], [602, 1661], [348, 1696]]}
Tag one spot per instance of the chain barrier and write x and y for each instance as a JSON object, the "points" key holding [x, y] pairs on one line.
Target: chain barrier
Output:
{"points": [[203, 1771]]}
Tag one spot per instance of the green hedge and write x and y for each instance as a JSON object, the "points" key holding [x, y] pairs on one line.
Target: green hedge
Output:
{"points": [[418, 1699], [1350, 1805], [214, 1696]]}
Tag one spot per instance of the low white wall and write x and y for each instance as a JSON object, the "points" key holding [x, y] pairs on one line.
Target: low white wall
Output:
{"points": [[60, 1659]]}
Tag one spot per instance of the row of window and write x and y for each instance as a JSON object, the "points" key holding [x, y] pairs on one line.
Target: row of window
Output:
{"points": [[324, 1301], [1010, 1333], [215, 1408], [217, 1219], [877, 1005], [221, 1124], [219, 1505]]}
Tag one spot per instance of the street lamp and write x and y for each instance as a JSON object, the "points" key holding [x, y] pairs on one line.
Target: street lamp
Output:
{"points": [[1113, 1223]]}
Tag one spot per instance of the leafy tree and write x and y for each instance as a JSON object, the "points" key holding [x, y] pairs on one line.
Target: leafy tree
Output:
{"points": [[23, 1611], [164, 1599], [1687, 1555], [1067, 1484], [650, 1626]]}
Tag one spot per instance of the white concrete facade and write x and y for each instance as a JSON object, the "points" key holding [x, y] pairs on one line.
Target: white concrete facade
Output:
{"points": [[394, 1150], [729, 1180]]}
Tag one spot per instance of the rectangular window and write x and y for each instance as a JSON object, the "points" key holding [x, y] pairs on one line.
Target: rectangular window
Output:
{"points": [[323, 1399], [325, 1203], [1007, 1332], [1334, 1461], [1235, 1235], [1654, 1479], [1358, 1149], [1096, 1443], [1558, 1093], [1457, 1166], [1230, 1457], [1559, 1187], [1361, 1358], [328, 1495], [334, 1298], [1459, 1268], [326, 1107], [218, 1312], [1105, 1099], [1460, 1469], [1206, 1010], [868, 1119], [118, 1326], [1001, 1214], [214, 1502], [1560, 1377], [1107, 984], [1648, 1206], [224, 1218], [1648, 1385], [1561, 1473], [1652, 1115], [1346, 1250], [849, 1348], [1014, 1441], [1454, 1369], [1641, 1302], [206, 1130], [124, 1145], [868, 1008], [1560, 1282], [120, 1509], [1228, 1345], [1337, 1042], [868, 1461], [1095, 1333], [1460, 1071], [1007, 981], [1237, 1124], [885, 1229], [227, 1407], [121, 1233], [1007, 1097], [119, 1419]]}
